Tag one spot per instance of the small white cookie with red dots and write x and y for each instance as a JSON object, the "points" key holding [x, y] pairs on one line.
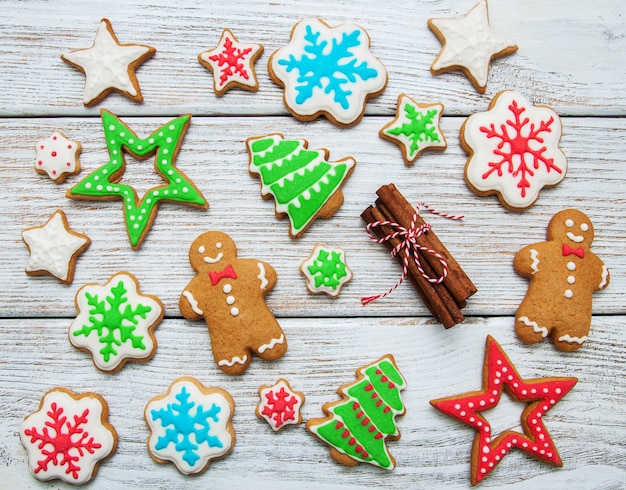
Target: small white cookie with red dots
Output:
{"points": [[57, 157]]}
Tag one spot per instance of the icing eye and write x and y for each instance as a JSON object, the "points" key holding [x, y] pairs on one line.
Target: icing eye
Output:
{"points": [[569, 223], [584, 227], [201, 249], [218, 245]]}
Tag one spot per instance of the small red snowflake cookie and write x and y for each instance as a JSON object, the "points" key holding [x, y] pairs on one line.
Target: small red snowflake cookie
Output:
{"points": [[280, 405], [57, 157], [514, 150], [232, 64], [68, 436]]}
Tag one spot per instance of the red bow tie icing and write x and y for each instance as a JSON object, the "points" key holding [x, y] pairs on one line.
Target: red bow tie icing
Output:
{"points": [[227, 273], [567, 250]]}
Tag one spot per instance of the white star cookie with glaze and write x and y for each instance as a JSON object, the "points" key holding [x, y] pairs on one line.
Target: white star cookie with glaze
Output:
{"points": [[54, 248], [109, 65], [469, 44]]}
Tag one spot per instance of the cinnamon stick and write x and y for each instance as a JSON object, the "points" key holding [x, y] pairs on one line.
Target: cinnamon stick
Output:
{"points": [[457, 282]]}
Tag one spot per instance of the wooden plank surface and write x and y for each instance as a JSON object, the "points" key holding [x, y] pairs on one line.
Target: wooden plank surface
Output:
{"points": [[572, 56]]}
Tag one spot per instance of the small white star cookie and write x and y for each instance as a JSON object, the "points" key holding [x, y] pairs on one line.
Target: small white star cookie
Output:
{"points": [[57, 157], [469, 44], [54, 248], [109, 65]]}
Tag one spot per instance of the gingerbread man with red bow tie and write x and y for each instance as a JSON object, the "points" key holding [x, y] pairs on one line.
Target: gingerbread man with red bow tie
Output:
{"points": [[563, 274], [229, 294]]}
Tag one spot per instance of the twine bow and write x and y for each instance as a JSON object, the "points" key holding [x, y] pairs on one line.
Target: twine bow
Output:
{"points": [[411, 248]]}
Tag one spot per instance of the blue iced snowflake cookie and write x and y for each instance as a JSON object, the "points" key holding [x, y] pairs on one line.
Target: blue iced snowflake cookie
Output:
{"points": [[190, 425], [327, 71]]}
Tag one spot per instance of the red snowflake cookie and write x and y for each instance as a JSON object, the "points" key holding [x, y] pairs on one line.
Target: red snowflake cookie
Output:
{"points": [[514, 150], [68, 436], [280, 405], [232, 64]]}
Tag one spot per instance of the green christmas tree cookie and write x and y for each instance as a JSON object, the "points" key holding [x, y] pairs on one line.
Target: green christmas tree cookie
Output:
{"points": [[357, 426], [415, 128], [304, 184], [326, 270]]}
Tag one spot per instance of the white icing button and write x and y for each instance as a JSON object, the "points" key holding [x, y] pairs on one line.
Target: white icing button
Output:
{"points": [[230, 300], [571, 279], [227, 288], [571, 266], [569, 293], [218, 245], [234, 311], [201, 249], [584, 227], [569, 223]]}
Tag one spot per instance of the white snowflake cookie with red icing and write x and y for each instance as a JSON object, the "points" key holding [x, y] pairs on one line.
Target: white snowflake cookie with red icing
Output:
{"points": [[327, 71], [57, 157], [514, 150], [68, 436], [232, 64], [280, 405]]}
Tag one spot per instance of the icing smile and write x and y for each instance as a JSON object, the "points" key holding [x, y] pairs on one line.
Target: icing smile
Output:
{"points": [[575, 238], [214, 260]]}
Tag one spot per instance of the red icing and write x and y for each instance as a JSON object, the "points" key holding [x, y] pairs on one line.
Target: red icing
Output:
{"points": [[227, 273], [540, 394], [54, 153], [280, 406], [230, 61], [567, 250]]}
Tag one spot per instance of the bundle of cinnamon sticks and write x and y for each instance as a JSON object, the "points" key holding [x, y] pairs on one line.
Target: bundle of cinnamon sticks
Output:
{"points": [[445, 299]]}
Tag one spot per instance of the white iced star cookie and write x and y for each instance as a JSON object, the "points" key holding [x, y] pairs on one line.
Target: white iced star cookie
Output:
{"points": [[232, 64], [109, 65], [57, 157], [469, 44], [54, 248]]}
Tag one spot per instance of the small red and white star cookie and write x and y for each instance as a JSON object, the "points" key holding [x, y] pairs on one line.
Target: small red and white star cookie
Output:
{"points": [[280, 405], [109, 65], [540, 394], [232, 64], [57, 157], [54, 248]]}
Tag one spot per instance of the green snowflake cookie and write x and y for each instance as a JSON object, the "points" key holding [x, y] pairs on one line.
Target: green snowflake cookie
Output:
{"points": [[415, 128], [326, 270], [115, 322]]}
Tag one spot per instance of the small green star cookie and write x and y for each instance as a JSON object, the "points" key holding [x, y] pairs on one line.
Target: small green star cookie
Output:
{"points": [[102, 184], [326, 270]]}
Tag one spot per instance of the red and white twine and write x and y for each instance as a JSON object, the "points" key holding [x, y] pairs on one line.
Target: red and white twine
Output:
{"points": [[410, 246]]}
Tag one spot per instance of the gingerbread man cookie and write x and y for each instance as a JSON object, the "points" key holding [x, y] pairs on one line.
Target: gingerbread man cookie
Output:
{"points": [[229, 293], [563, 274]]}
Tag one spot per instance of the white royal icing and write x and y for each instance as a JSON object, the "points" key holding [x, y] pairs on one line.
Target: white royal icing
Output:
{"points": [[72, 408], [534, 255], [323, 100], [470, 42], [106, 64], [52, 247], [605, 277], [192, 302], [526, 321], [572, 340], [233, 361], [57, 156], [575, 238], [125, 350], [261, 276], [202, 449], [272, 343], [483, 149], [214, 260]]}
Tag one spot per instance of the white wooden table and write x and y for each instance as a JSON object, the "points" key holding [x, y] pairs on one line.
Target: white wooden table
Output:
{"points": [[572, 57]]}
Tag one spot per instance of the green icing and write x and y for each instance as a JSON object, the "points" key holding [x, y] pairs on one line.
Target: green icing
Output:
{"points": [[419, 127], [164, 143], [300, 180], [328, 269]]}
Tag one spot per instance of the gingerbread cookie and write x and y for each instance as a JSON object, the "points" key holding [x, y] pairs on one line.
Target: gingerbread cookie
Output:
{"points": [[109, 65], [232, 64], [305, 186], [469, 44], [115, 322], [357, 426], [280, 405], [415, 128], [514, 150], [326, 270], [563, 274], [327, 71], [54, 248], [57, 157], [190, 425], [68, 436], [103, 183], [540, 394], [229, 293]]}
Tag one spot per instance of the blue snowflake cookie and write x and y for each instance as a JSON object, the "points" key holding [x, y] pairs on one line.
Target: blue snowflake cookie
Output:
{"points": [[190, 425], [327, 71]]}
